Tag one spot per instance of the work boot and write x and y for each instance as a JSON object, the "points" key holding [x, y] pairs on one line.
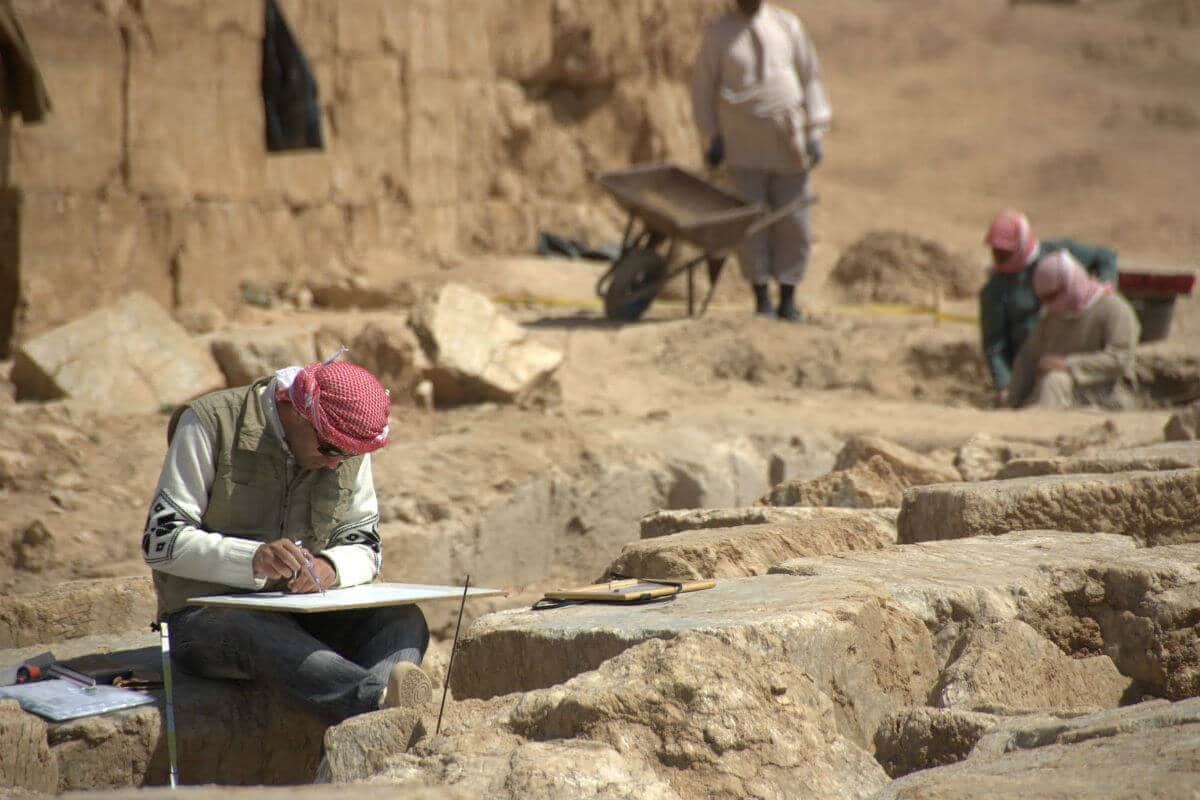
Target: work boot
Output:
{"points": [[408, 687], [787, 304], [762, 301]]}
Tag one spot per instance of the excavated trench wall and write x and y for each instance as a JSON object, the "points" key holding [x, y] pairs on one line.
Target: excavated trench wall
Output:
{"points": [[450, 126]]}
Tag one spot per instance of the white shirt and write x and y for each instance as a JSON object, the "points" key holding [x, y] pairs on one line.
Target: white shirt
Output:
{"points": [[757, 82], [183, 548]]}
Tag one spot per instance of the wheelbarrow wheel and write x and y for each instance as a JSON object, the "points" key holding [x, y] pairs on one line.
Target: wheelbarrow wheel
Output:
{"points": [[633, 282]]}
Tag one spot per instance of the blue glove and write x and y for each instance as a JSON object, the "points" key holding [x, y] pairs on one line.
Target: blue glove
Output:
{"points": [[715, 153], [815, 153]]}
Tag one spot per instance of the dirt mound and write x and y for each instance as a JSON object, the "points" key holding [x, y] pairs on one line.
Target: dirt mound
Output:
{"points": [[899, 267]]}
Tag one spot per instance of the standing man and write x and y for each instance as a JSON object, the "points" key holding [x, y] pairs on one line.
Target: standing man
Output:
{"points": [[260, 483], [760, 105]]}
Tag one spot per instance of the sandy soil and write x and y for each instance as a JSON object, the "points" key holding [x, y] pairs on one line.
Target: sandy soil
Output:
{"points": [[1084, 115]]}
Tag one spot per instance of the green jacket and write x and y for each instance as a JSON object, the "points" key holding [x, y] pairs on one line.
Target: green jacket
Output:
{"points": [[1008, 306], [257, 493]]}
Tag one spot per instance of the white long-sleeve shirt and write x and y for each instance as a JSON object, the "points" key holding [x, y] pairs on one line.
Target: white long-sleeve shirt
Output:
{"points": [[183, 548], [757, 82]]}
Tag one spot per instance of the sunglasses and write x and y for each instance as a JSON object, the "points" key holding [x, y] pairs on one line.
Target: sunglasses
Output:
{"points": [[329, 451]]}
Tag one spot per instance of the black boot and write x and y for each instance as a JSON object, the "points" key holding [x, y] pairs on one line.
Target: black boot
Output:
{"points": [[787, 304], [762, 301]]}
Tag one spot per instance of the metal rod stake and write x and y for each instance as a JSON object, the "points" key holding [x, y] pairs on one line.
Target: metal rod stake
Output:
{"points": [[450, 667], [165, 639]]}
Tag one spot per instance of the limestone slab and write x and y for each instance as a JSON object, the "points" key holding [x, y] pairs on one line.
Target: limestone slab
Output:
{"points": [[664, 522], [1168, 455], [1153, 508], [1147, 750], [130, 356], [747, 550], [477, 352], [74, 609], [813, 624], [247, 354]]}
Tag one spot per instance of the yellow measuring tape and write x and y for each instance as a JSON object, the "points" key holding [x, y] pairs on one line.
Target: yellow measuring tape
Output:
{"points": [[526, 299]]}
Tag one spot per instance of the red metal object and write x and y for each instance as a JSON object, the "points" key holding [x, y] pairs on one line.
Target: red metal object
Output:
{"points": [[1162, 283]]}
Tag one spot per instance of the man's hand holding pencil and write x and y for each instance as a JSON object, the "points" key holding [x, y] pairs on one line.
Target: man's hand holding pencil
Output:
{"points": [[286, 560]]}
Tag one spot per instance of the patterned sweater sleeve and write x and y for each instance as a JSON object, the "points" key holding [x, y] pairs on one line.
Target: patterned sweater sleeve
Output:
{"points": [[174, 542]]}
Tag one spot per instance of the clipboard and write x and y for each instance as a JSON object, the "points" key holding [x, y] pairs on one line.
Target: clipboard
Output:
{"points": [[628, 590], [59, 700]]}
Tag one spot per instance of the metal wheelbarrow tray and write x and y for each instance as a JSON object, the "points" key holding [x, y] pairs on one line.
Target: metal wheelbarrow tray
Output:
{"points": [[673, 206]]}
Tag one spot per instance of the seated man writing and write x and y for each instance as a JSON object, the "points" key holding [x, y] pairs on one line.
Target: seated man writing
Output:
{"points": [[249, 474], [1081, 350]]}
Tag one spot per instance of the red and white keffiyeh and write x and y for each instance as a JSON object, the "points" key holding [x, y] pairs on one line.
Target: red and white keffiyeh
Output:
{"points": [[1077, 288], [1011, 231], [345, 404]]}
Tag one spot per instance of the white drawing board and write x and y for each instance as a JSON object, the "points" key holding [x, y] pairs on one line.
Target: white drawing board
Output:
{"points": [[369, 595]]}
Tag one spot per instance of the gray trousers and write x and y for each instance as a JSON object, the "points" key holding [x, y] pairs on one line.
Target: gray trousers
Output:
{"points": [[1057, 389], [334, 664], [781, 251]]}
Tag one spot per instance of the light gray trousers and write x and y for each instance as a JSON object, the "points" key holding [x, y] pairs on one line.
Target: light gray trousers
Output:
{"points": [[781, 251], [334, 664]]}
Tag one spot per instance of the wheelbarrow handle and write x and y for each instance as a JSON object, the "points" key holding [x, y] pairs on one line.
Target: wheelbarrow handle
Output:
{"points": [[784, 210]]}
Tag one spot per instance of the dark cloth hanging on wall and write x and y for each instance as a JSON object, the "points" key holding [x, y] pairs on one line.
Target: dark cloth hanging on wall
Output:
{"points": [[289, 88], [22, 90]]}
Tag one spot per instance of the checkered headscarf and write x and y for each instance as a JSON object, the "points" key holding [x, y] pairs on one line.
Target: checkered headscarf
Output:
{"points": [[345, 404], [1011, 231]]}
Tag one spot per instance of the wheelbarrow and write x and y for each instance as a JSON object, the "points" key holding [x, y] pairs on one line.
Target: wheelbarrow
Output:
{"points": [[669, 206]]}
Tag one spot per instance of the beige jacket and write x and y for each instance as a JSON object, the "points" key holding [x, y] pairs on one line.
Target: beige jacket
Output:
{"points": [[757, 82], [1098, 346]]}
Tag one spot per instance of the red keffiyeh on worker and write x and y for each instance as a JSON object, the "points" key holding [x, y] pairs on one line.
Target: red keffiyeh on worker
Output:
{"points": [[345, 404], [1012, 232], [1076, 288]]}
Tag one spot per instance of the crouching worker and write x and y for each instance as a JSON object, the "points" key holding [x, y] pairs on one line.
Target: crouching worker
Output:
{"points": [[1081, 350], [248, 472]]}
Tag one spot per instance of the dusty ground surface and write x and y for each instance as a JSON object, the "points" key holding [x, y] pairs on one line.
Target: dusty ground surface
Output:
{"points": [[1083, 115]]}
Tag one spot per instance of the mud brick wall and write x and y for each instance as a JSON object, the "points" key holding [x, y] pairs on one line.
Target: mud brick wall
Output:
{"points": [[451, 127]]}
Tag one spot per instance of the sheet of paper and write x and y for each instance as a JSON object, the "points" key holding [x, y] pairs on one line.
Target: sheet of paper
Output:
{"points": [[368, 595], [57, 699]]}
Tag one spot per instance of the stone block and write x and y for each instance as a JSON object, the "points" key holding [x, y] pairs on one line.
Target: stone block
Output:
{"points": [[128, 357], [78, 147], [428, 28], [1009, 666], [1089, 593], [1154, 508], [116, 241], [25, 758], [228, 732], [1184, 424], [871, 484], [478, 353], [664, 522], [361, 746], [701, 472], [247, 354], [522, 39], [1170, 455], [748, 550], [190, 135], [1146, 750], [76, 608], [982, 457], [433, 141], [811, 624], [390, 349], [913, 468]]}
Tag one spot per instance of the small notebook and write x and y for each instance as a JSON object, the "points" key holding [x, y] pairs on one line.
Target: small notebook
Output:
{"points": [[58, 700]]}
